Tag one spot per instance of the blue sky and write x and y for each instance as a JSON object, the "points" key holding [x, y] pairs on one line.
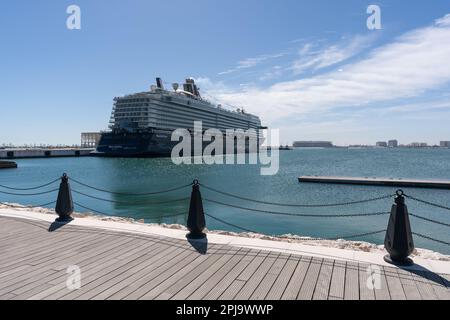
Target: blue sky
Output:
{"points": [[310, 68]]}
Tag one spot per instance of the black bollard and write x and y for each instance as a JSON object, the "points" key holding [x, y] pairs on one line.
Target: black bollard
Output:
{"points": [[398, 241], [64, 204], [196, 218]]}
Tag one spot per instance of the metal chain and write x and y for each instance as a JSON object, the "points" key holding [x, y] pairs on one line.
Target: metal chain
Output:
{"points": [[299, 214], [131, 194], [430, 220], [108, 214], [230, 224], [31, 188], [307, 239], [129, 203], [430, 238], [427, 202], [298, 205], [28, 194]]}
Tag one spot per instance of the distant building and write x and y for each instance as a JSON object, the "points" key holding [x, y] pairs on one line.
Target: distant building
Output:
{"points": [[393, 144], [90, 139], [313, 144], [418, 145], [445, 144], [382, 144]]}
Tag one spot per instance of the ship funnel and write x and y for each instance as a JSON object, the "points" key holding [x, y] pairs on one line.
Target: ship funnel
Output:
{"points": [[159, 83], [191, 87]]}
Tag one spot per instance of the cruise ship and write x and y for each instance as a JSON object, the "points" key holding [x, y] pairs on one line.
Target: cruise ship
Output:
{"points": [[142, 123]]}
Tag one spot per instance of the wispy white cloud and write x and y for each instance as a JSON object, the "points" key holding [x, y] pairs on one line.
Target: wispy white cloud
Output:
{"points": [[444, 21], [273, 72], [252, 62], [405, 68], [438, 104], [313, 58]]}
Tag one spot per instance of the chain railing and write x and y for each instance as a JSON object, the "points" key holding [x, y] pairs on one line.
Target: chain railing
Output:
{"points": [[131, 194], [436, 205], [302, 238], [386, 196], [196, 216], [28, 194], [106, 214], [130, 203], [31, 188], [319, 215]]}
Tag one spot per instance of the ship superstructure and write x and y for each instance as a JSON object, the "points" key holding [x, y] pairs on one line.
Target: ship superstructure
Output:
{"points": [[141, 124]]}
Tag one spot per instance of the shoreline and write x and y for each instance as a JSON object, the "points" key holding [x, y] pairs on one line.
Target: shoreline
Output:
{"points": [[175, 230]]}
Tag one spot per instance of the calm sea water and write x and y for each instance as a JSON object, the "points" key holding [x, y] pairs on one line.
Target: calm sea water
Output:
{"points": [[147, 175]]}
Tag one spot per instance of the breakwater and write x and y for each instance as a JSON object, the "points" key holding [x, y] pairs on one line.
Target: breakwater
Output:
{"points": [[7, 165], [43, 153]]}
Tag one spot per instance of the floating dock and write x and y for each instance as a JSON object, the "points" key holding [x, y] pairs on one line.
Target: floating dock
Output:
{"points": [[7, 165], [44, 153], [373, 181]]}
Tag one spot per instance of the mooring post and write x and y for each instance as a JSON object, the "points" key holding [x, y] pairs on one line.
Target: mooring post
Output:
{"points": [[64, 204], [196, 218], [398, 241]]}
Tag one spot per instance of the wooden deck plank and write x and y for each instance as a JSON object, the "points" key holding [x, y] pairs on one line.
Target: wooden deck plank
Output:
{"points": [[337, 284], [24, 281], [100, 283], [46, 244], [438, 285], [178, 283], [231, 276], [310, 281], [215, 279], [351, 289], [178, 267], [321, 292], [232, 290], [382, 292], [187, 269], [158, 264], [278, 288], [121, 265], [193, 286], [47, 249], [128, 278], [365, 292], [59, 286], [267, 282], [59, 278], [408, 284], [10, 235], [394, 284], [253, 266], [425, 289], [293, 288], [36, 268], [254, 281], [87, 266]]}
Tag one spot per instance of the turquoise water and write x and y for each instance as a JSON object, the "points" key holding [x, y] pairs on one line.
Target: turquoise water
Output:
{"points": [[147, 175]]}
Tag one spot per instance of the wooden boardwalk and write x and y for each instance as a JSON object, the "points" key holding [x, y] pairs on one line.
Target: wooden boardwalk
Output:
{"points": [[34, 258]]}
